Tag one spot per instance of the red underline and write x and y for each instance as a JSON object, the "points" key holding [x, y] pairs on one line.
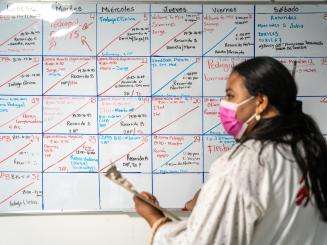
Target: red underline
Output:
{"points": [[66, 117], [173, 38], [7, 198], [14, 153], [119, 36], [122, 118], [176, 119], [65, 156], [122, 156], [19, 115], [121, 79], [18, 74], [56, 83], [18, 33]]}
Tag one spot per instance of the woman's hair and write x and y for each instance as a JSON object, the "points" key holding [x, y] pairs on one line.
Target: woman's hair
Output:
{"points": [[267, 76]]}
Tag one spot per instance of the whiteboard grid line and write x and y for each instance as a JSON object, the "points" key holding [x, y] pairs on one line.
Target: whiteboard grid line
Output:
{"points": [[161, 56], [173, 157], [97, 95], [174, 77], [81, 134], [202, 91], [254, 36], [145, 96], [151, 95], [266, 13], [84, 134], [42, 114], [209, 130], [95, 172]]}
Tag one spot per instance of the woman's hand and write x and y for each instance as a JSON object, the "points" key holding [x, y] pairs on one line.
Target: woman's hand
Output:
{"points": [[149, 213], [191, 203]]}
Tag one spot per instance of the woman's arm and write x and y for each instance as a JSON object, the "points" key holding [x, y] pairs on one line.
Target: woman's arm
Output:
{"points": [[222, 214], [226, 209]]}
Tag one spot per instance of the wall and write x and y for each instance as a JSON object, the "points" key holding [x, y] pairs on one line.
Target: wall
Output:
{"points": [[73, 229]]}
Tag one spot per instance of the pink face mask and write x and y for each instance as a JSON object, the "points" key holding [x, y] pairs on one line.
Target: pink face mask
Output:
{"points": [[228, 118]]}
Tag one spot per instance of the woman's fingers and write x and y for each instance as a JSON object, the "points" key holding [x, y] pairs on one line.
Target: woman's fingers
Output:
{"points": [[146, 210], [150, 197], [190, 205]]}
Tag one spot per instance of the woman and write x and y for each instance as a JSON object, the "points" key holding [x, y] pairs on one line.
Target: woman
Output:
{"points": [[271, 187]]}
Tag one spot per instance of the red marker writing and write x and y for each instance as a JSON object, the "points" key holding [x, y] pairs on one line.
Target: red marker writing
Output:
{"points": [[84, 42]]}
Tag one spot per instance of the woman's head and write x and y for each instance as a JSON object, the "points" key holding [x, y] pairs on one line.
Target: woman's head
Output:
{"points": [[262, 79], [268, 77], [263, 86]]}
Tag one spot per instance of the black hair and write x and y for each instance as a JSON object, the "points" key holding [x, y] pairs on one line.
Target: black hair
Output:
{"points": [[292, 127]]}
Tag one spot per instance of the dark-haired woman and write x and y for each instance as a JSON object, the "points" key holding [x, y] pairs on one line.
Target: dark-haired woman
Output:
{"points": [[271, 187]]}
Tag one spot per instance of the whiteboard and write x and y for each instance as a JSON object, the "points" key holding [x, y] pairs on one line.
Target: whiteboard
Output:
{"points": [[137, 85]]}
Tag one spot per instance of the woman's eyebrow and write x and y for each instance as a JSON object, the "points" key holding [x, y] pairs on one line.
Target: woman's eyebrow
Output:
{"points": [[228, 90]]}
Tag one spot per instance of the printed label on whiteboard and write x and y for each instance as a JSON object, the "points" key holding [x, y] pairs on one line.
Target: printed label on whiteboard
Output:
{"points": [[73, 7], [122, 8]]}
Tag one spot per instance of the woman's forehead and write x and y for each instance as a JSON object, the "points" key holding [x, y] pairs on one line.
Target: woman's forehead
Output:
{"points": [[235, 82]]}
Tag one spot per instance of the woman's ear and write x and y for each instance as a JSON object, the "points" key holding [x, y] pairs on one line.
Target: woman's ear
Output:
{"points": [[262, 103]]}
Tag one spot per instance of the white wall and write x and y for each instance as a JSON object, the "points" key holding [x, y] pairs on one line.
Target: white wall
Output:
{"points": [[114, 229]]}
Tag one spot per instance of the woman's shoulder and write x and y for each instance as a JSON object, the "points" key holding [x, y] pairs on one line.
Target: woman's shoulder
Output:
{"points": [[241, 154], [253, 152], [252, 167]]}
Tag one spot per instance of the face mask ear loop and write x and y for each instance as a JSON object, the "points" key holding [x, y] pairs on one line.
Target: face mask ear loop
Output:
{"points": [[255, 115], [245, 101], [245, 126], [250, 119]]}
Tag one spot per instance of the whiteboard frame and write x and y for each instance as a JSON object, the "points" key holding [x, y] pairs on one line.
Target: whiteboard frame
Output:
{"points": [[190, 2], [131, 212]]}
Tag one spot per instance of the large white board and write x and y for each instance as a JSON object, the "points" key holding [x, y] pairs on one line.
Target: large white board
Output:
{"points": [[137, 85]]}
